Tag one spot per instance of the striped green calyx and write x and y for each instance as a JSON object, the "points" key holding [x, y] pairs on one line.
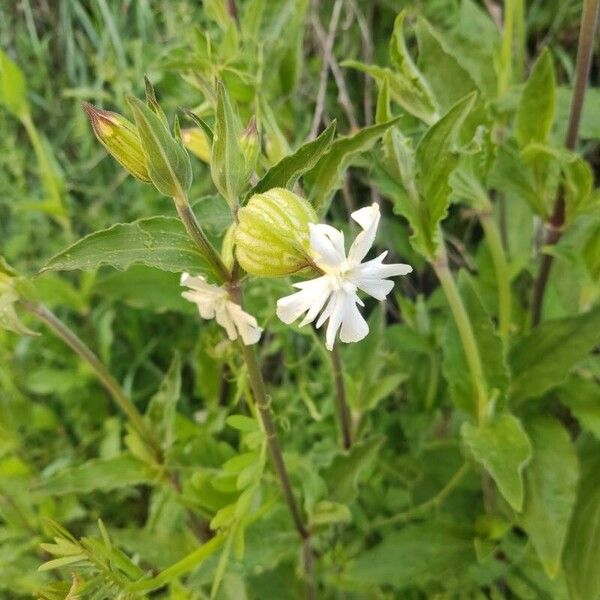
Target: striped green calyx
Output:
{"points": [[272, 235]]}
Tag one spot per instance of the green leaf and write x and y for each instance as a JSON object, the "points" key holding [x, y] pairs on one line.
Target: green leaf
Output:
{"points": [[448, 79], [324, 178], [344, 473], [162, 407], [550, 490], [582, 552], [13, 89], [9, 296], [535, 113], [436, 157], [159, 242], [582, 398], [503, 448], [289, 169], [407, 92], [326, 513], [489, 345], [242, 423], [98, 474], [227, 164], [167, 160], [543, 358], [419, 554]]}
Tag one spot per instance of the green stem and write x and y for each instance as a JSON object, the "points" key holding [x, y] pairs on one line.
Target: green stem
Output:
{"points": [[467, 336], [496, 248], [434, 379], [69, 337], [340, 398], [262, 405], [425, 507], [112, 386], [195, 231]]}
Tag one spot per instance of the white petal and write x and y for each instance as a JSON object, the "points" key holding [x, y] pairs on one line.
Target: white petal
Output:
{"points": [[335, 313], [206, 306], [310, 299], [371, 276], [368, 218], [354, 327], [378, 288], [245, 323], [225, 320], [327, 245], [196, 283]]}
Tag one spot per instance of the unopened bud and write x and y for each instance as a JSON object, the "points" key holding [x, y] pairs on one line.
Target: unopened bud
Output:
{"points": [[272, 235], [120, 138], [195, 140], [250, 146]]}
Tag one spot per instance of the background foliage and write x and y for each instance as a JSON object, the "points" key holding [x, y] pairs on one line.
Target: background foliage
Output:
{"points": [[446, 492]]}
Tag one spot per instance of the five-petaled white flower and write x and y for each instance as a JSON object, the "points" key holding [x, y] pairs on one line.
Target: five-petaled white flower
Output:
{"points": [[214, 303], [336, 289]]}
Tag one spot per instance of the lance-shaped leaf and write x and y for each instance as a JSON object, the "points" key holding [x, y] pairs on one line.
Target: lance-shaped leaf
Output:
{"points": [[550, 490], [162, 408], [13, 89], [289, 169], [535, 113], [542, 359], [9, 296], [403, 89], [582, 552], [98, 474], [503, 448], [167, 160], [159, 242], [436, 157], [324, 178], [227, 162], [447, 78]]}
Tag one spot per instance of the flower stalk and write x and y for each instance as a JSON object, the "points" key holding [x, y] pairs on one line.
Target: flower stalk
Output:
{"points": [[195, 231], [341, 403]]}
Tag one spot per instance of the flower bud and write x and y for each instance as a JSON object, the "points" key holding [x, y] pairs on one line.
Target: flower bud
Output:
{"points": [[120, 139], [250, 146], [168, 162], [195, 140], [272, 236]]}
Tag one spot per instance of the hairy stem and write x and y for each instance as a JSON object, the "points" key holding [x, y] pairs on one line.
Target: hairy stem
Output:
{"points": [[589, 19], [195, 231], [262, 405], [465, 330], [340, 398], [496, 248]]}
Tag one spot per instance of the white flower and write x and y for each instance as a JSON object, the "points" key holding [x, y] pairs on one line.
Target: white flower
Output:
{"points": [[336, 289], [214, 303]]}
